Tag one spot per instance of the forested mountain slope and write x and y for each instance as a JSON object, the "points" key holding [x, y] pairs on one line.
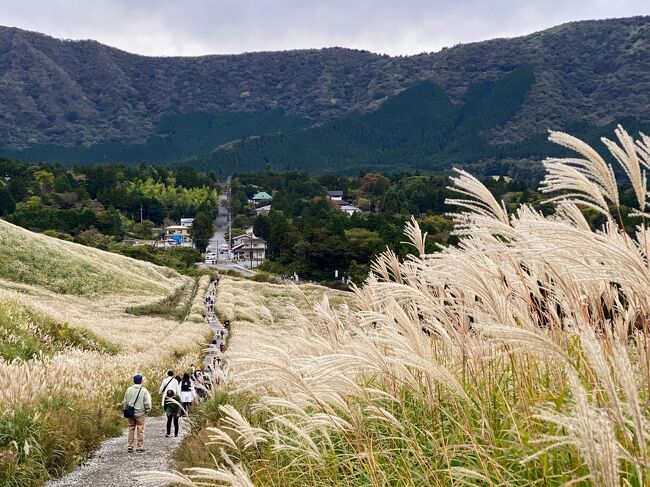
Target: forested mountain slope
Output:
{"points": [[95, 100]]}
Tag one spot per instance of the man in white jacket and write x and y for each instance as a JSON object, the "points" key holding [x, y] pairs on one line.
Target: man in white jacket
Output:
{"points": [[169, 383]]}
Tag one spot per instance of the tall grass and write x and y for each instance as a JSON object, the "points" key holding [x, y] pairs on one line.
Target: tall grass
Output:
{"points": [[69, 268], [520, 357], [174, 306], [69, 348]]}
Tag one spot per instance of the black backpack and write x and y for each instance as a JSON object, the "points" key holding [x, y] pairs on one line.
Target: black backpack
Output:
{"points": [[129, 410]]}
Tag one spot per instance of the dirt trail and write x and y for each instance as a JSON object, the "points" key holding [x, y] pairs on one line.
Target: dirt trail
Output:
{"points": [[112, 466]]}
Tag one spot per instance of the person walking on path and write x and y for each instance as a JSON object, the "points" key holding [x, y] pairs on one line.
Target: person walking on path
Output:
{"points": [[137, 397], [169, 383], [172, 408], [188, 392]]}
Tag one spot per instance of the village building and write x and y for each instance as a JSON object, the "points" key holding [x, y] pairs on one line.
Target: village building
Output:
{"points": [[187, 222], [336, 195], [350, 209], [261, 198], [177, 235], [263, 210], [249, 249], [336, 198]]}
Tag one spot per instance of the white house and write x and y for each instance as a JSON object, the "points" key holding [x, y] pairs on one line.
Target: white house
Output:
{"points": [[350, 209], [263, 210], [336, 195], [186, 222], [249, 248]]}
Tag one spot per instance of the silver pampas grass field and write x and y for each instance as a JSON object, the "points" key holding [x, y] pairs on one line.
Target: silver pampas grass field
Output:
{"points": [[519, 357]]}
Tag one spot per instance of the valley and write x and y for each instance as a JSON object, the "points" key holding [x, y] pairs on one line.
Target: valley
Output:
{"points": [[348, 268]]}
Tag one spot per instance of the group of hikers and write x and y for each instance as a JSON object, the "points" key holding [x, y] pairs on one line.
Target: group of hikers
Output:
{"points": [[177, 392]]}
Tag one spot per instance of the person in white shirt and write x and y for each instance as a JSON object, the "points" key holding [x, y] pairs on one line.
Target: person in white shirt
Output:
{"points": [[188, 392], [169, 383]]}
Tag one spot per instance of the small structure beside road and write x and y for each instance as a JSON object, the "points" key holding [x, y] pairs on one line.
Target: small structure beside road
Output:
{"points": [[261, 198], [249, 248], [178, 235]]}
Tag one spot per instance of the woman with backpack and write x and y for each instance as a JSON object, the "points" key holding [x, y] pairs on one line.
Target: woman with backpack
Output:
{"points": [[188, 392], [172, 410]]}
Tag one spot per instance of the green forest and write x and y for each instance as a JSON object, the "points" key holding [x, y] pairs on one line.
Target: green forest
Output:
{"points": [[123, 209], [111, 207], [417, 130], [177, 137], [420, 129], [309, 235]]}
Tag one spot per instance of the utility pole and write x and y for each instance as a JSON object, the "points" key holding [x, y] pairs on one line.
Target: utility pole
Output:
{"points": [[140, 213], [250, 245], [229, 224]]}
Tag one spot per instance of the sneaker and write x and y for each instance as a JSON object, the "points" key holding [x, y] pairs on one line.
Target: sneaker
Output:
{"points": [[176, 435], [129, 449], [167, 435], [139, 450]]}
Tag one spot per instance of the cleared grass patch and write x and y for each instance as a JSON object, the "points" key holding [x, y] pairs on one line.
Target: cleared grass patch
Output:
{"points": [[176, 306]]}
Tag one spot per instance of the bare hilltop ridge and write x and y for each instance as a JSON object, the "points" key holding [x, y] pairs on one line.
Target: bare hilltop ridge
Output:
{"points": [[80, 93]]}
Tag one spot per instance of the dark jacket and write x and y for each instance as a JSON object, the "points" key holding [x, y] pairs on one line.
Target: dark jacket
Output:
{"points": [[171, 407]]}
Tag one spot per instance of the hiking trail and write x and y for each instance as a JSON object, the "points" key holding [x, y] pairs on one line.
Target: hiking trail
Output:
{"points": [[112, 466]]}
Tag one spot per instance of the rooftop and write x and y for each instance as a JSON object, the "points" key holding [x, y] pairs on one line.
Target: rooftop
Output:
{"points": [[262, 195]]}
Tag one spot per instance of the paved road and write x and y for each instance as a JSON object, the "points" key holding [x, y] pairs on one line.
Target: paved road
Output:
{"points": [[221, 227]]}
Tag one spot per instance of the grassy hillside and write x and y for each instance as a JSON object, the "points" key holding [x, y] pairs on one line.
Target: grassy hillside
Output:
{"points": [[25, 334], [68, 347], [68, 268]]}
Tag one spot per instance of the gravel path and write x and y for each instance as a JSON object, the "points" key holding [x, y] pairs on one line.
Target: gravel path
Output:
{"points": [[112, 466]]}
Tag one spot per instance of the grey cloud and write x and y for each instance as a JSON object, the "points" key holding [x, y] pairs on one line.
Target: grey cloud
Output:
{"points": [[194, 27]]}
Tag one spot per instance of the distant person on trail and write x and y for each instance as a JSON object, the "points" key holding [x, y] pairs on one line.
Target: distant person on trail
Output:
{"points": [[137, 403], [172, 406], [169, 383], [188, 392]]}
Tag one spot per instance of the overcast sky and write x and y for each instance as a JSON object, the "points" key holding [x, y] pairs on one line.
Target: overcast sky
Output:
{"points": [[194, 27]]}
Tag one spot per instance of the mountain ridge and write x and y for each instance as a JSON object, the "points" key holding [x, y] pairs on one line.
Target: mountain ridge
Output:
{"points": [[82, 93]]}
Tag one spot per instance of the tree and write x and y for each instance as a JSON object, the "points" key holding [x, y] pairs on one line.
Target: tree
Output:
{"points": [[189, 177], [202, 230], [144, 229], [18, 189], [45, 180], [261, 227], [7, 202], [278, 230], [358, 272]]}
